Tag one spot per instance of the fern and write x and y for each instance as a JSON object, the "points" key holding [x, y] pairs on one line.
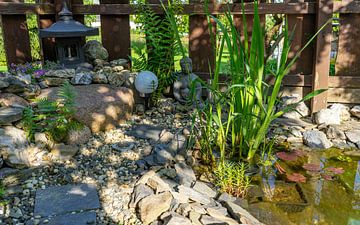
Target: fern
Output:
{"points": [[55, 118], [29, 123], [67, 98], [161, 46]]}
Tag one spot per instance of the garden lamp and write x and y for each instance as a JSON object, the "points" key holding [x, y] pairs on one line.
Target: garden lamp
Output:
{"points": [[146, 83]]}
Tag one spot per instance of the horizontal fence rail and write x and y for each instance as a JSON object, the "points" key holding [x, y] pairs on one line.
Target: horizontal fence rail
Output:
{"points": [[305, 18]]}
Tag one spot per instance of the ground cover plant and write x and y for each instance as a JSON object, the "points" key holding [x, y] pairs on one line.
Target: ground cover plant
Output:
{"points": [[55, 118]]}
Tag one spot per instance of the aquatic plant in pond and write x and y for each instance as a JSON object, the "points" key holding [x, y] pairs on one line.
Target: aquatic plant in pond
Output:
{"points": [[231, 178]]}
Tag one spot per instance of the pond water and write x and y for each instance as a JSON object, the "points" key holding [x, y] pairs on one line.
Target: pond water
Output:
{"points": [[318, 200]]}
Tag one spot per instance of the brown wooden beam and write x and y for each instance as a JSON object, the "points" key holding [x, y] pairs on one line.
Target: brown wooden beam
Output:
{"points": [[16, 39], [115, 31], [199, 8], [10, 8], [322, 53]]}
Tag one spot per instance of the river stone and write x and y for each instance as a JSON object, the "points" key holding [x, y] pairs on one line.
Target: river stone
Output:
{"points": [[145, 131], [94, 50], [120, 62], [316, 139], [333, 132], [354, 136], [99, 78], [162, 156], [117, 78], [29, 156], [152, 206], [16, 85], [300, 110], [10, 114], [81, 218], [185, 174], [221, 216], [209, 220], [100, 107], [3, 83], [204, 189], [78, 136], [31, 91], [342, 110], [82, 78], [341, 144], [54, 81], [63, 73], [240, 214], [62, 152], [58, 200], [195, 217], [9, 99], [176, 219], [327, 117], [194, 195], [12, 137], [355, 111], [140, 192]]}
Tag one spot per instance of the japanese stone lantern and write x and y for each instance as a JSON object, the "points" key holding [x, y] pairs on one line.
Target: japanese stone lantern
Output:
{"points": [[68, 35]]}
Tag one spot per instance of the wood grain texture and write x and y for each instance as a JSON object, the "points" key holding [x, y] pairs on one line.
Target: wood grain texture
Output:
{"points": [[322, 53], [115, 32], [16, 39], [348, 57]]}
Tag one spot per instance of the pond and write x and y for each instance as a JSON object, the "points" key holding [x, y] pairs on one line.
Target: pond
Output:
{"points": [[321, 199]]}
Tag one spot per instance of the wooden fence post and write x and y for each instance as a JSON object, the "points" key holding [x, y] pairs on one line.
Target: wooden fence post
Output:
{"points": [[115, 32], [324, 11], [47, 45], [200, 44], [16, 38]]}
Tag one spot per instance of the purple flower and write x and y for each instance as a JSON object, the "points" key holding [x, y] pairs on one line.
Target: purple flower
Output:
{"points": [[39, 73]]}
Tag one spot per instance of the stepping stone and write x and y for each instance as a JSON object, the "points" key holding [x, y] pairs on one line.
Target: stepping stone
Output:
{"points": [[83, 218], [58, 204], [145, 131]]}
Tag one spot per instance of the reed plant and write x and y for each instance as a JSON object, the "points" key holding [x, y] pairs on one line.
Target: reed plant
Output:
{"points": [[236, 118]]}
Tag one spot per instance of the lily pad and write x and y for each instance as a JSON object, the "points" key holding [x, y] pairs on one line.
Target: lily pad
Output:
{"points": [[296, 177]]}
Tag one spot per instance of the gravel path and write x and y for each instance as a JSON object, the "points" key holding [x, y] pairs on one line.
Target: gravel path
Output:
{"points": [[107, 161]]}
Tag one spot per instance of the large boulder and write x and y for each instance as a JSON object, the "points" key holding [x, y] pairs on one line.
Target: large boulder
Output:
{"points": [[94, 50], [99, 106]]}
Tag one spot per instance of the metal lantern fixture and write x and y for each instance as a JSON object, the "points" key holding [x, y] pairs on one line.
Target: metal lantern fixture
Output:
{"points": [[68, 35]]}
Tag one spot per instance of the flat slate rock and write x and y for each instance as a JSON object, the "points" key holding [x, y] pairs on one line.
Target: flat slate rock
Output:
{"points": [[83, 218], [59, 200], [145, 131]]}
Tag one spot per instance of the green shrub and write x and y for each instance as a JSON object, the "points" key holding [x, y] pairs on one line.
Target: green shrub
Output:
{"points": [[55, 118]]}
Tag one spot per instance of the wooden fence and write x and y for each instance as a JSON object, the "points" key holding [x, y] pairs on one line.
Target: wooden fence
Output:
{"points": [[311, 72]]}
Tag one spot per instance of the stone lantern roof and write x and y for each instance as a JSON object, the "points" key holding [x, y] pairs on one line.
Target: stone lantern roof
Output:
{"points": [[67, 27]]}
